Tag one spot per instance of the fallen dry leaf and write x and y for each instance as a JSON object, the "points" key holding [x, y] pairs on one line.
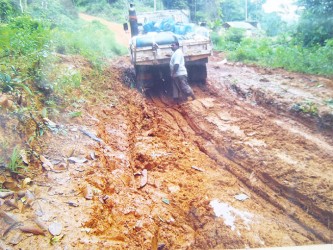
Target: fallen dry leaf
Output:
{"points": [[77, 160], [11, 203], [40, 223], [9, 219], [25, 182], [12, 185], [32, 229], [46, 163], [154, 241], [198, 169], [24, 156], [87, 193], [144, 178], [5, 194], [29, 197]]}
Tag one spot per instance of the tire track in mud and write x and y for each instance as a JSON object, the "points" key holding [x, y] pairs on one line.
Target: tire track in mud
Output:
{"points": [[216, 132], [288, 200]]}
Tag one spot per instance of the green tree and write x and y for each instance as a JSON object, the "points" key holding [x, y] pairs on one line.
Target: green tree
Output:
{"points": [[238, 10], [205, 10], [8, 9], [233, 10], [272, 24], [316, 22], [175, 4], [254, 10]]}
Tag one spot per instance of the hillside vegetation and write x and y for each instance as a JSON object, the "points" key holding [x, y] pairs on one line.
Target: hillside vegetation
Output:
{"points": [[34, 83]]}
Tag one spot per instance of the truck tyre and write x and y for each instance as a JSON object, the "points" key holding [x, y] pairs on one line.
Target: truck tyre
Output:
{"points": [[144, 77], [138, 78], [197, 73]]}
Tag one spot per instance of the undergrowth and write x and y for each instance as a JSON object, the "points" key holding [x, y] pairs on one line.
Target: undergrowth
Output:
{"points": [[39, 75], [92, 40], [276, 53], [15, 163]]}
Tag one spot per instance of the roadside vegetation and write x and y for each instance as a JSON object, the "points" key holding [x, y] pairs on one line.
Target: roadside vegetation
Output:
{"points": [[276, 52], [34, 84], [303, 45]]}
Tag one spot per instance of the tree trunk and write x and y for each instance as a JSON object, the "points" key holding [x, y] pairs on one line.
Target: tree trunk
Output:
{"points": [[23, 5]]}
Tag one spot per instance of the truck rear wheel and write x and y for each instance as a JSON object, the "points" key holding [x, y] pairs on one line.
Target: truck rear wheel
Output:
{"points": [[144, 77], [197, 73]]}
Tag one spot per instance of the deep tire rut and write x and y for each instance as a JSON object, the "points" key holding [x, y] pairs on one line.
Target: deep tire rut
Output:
{"points": [[287, 200]]}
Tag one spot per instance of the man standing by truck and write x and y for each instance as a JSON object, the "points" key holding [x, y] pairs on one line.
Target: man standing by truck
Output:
{"points": [[180, 86], [133, 20]]}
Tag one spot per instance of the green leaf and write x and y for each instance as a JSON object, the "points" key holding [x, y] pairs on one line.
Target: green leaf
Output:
{"points": [[56, 239], [25, 87], [329, 103], [14, 70], [44, 112], [75, 114]]}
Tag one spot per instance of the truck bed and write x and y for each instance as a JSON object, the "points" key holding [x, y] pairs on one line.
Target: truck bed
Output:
{"points": [[193, 49]]}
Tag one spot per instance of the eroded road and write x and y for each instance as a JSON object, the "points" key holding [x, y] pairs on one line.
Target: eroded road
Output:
{"points": [[223, 172], [235, 168]]}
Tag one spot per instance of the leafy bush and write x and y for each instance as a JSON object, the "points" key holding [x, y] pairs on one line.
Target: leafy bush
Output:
{"points": [[9, 84], [117, 11], [15, 163], [24, 49], [67, 80], [7, 10], [307, 107], [29, 35], [315, 24], [281, 52], [57, 12], [223, 43], [235, 35]]}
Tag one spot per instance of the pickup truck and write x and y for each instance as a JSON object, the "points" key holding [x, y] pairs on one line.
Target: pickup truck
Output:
{"points": [[150, 49]]}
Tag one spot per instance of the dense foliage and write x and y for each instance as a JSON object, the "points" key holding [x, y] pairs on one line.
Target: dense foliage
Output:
{"points": [[33, 36], [316, 23], [278, 52], [29, 38], [7, 9]]}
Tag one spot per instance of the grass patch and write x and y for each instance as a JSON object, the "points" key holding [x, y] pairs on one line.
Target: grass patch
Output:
{"points": [[15, 163], [92, 40], [278, 53]]}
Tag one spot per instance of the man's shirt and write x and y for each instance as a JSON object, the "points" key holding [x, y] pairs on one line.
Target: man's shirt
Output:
{"points": [[178, 58]]}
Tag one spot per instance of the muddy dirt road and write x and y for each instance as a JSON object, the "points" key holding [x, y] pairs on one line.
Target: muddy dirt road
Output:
{"points": [[236, 168]]}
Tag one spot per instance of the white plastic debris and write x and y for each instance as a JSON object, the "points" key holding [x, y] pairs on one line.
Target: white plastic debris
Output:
{"points": [[241, 197]]}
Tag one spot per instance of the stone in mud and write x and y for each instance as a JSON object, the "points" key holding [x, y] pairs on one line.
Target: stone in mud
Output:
{"points": [[5, 194], [144, 178], [77, 160], [88, 193], [55, 228]]}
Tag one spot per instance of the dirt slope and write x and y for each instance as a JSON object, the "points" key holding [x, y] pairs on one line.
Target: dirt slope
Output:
{"points": [[224, 170], [121, 36]]}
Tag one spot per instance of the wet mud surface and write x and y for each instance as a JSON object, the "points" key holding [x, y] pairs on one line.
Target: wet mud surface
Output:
{"points": [[235, 168], [221, 173]]}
